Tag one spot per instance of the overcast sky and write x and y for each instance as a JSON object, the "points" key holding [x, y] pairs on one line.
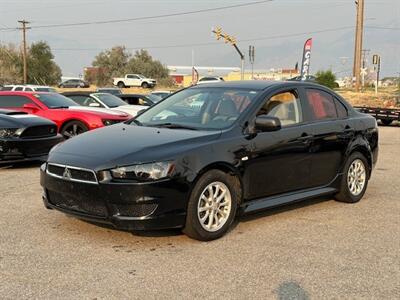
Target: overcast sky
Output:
{"points": [[265, 25]]}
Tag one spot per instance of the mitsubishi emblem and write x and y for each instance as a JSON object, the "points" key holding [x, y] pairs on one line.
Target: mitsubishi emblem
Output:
{"points": [[67, 173]]}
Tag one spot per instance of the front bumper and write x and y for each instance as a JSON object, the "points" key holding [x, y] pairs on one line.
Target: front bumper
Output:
{"points": [[126, 206], [20, 149]]}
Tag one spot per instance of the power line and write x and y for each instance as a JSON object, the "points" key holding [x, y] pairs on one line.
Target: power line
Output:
{"points": [[213, 43], [150, 17]]}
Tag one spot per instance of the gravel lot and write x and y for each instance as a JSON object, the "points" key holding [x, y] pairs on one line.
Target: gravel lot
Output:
{"points": [[317, 249]]}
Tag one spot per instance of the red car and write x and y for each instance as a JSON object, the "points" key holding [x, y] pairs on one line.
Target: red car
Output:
{"points": [[71, 119]]}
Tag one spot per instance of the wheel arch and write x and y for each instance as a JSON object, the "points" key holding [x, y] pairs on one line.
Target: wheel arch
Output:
{"points": [[65, 122], [224, 167], [364, 150]]}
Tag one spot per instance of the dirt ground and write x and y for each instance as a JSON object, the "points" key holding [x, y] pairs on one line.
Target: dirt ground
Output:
{"points": [[318, 249]]}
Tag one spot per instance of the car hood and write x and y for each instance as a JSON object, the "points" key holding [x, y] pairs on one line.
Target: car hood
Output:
{"points": [[98, 110], [122, 144], [22, 121]]}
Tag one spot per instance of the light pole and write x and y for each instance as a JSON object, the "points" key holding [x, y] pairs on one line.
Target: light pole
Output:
{"points": [[231, 40]]}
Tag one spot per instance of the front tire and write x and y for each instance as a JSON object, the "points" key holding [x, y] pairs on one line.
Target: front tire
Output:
{"points": [[212, 206], [145, 85], [354, 180], [73, 128]]}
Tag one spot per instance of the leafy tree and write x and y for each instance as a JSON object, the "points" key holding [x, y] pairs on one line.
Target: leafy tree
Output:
{"points": [[326, 78], [117, 62], [143, 63], [10, 65], [114, 61], [41, 67]]}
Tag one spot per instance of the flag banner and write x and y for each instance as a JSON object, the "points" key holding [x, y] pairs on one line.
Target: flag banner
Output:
{"points": [[305, 65]]}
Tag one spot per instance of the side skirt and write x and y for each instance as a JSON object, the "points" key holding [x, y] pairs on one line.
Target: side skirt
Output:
{"points": [[273, 201]]}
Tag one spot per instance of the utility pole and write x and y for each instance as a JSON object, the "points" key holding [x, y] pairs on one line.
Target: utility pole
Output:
{"points": [[231, 40], [358, 43], [24, 28]]}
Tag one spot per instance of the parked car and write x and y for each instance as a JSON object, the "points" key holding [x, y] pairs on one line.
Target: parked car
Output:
{"points": [[74, 83], [28, 88], [103, 100], [134, 80], [113, 91], [161, 94], [71, 119], [139, 99], [210, 79], [25, 137], [251, 145]]}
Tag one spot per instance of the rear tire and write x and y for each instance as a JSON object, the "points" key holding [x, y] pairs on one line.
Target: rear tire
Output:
{"points": [[354, 180], [212, 206], [121, 85], [73, 128], [386, 122]]}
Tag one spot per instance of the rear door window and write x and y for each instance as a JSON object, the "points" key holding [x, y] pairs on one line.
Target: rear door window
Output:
{"points": [[341, 109], [321, 105]]}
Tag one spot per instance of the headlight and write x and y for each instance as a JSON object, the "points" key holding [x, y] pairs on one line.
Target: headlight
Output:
{"points": [[152, 171], [110, 122], [10, 132]]}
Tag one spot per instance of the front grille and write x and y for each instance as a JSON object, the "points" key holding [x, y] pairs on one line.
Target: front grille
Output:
{"points": [[136, 210], [71, 173], [87, 206], [39, 131]]}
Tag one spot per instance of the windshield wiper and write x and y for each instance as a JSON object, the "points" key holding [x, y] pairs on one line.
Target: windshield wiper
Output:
{"points": [[172, 126]]}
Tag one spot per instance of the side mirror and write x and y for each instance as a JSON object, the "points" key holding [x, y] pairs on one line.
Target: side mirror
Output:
{"points": [[94, 104], [266, 123], [31, 107]]}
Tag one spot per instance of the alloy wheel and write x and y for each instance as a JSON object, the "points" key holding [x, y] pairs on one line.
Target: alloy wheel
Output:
{"points": [[356, 177], [214, 206], [73, 130]]}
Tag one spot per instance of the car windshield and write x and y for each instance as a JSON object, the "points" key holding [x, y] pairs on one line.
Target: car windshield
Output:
{"points": [[53, 100], [110, 91], [44, 89], [110, 100], [199, 108], [154, 98], [141, 76]]}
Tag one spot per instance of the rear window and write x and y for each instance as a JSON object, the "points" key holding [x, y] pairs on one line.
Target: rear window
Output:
{"points": [[13, 101], [321, 105]]}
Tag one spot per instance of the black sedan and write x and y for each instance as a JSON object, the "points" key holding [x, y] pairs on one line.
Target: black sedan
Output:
{"points": [[25, 137], [207, 153]]}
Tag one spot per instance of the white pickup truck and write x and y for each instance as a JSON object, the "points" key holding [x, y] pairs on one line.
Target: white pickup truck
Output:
{"points": [[134, 80]]}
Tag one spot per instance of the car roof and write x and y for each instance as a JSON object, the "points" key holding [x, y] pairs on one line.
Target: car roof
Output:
{"points": [[254, 84], [84, 93], [132, 95]]}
